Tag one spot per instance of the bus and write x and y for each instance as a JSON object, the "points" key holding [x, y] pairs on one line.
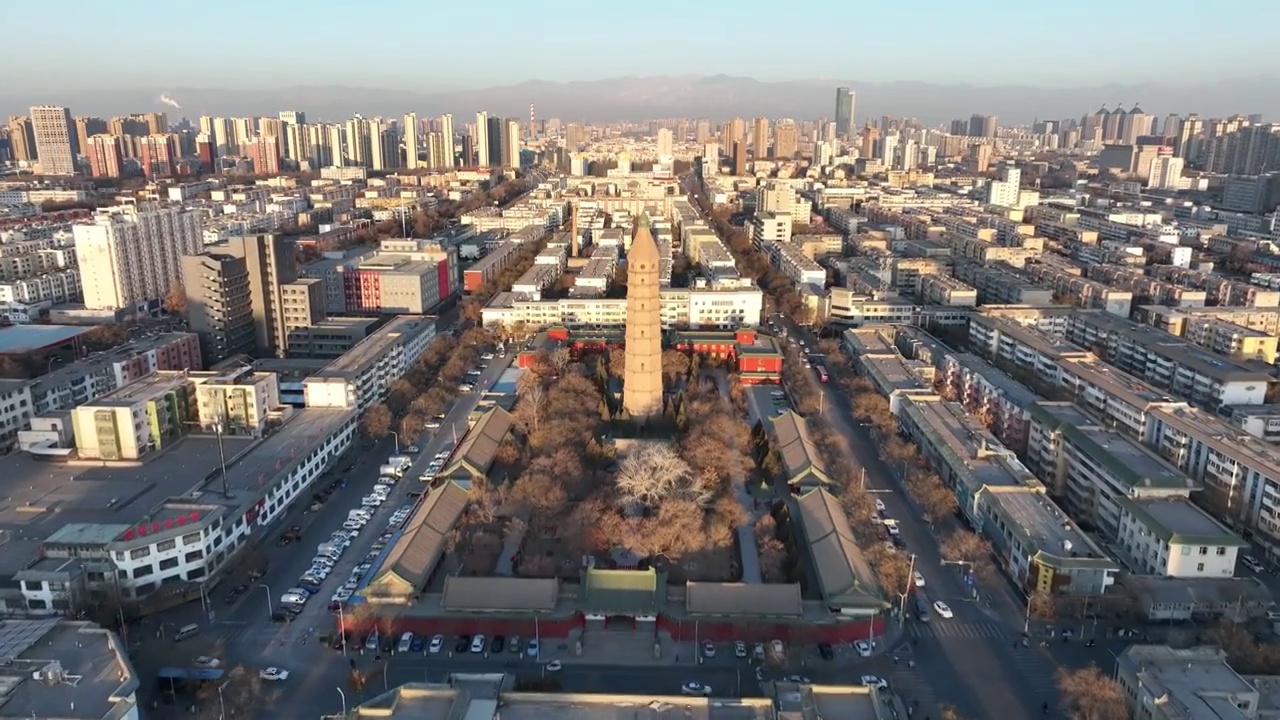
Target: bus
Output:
{"points": [[822, 373]]}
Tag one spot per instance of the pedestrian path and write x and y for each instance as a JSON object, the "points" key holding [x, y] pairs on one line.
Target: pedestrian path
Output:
{"points": [[1036, 672], [945, 629], [911, 685]]}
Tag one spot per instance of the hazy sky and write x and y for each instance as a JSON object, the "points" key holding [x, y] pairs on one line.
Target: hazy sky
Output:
{"points": [[430, 45]]}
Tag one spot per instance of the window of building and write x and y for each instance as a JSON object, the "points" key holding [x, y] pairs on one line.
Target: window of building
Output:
{"points": [[1199, 567], [139, 553], [166, 546], [191, 539], [143, 571], [168, 563], [193, 556], [195, 573], [1186, 549], [1204, 550], [1222, 551], [32, 585], [37, 604]]}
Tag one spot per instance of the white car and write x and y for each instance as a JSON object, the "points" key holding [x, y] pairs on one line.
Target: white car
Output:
{"points": [[863, 648], [778, 648], [879, 505], [319, 571], [942, 609], [695, 688], [878, 683], [709, 649], [437, 643], [274, 674], [739, 649], [486, 356], [206, 662], [478, 644], [554, 666], [322, 560], [342, 595], [466, 387], [919, 579], [442, 455], [352, 525]]}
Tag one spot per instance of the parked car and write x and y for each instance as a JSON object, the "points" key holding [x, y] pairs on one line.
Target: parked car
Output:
{"points": [[826, 651], [437, 643], [695, 688], [863, 648], [464, 642], [739, 649], [274, 674], [478, 644]]}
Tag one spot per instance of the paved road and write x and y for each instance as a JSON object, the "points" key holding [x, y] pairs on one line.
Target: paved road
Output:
{"points": [[242, 633], [974, 661]]}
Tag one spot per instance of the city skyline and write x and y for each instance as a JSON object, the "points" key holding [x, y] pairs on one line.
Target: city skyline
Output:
{"points": [[644, 98]]}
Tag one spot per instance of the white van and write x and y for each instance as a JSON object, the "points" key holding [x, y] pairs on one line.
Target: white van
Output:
{"points": [[293, 599], [406, 642], [185, 632]]}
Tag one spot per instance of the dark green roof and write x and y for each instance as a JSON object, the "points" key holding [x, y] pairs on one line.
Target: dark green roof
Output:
{"points": [[626, 592]]}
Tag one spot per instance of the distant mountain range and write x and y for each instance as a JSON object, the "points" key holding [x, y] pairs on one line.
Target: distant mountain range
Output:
{"points": [[718, 97]]}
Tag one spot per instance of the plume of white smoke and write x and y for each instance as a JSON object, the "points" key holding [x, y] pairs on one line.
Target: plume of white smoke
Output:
{"points": [[166, 100]]}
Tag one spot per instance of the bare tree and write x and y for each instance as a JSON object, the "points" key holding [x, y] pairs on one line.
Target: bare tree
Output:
{"points": [[772, 551], [560, 359], [1088, 694], [965, 546], [1040, 605], [653, 473], [376, 421]]}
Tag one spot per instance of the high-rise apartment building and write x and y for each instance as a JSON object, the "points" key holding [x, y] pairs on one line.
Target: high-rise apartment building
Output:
{"points": [[979, 125], [272, 267], [1166, 173], [664, 143], [497, 129], [105, 155], [55, 138], [87, 127], [22, 138], [264, 153], [760, 137], [511, 144], [739, 157], [844, 112], [384, 147], [359, 142], [979, 160], [130, 256], [158, 155], [435, 150], [1005, 191], [293, 144], [785, 140], [447, 155], [1134, 125], [412, 130], [293, 117], [157, 122], [481, 140], [219, 307], [702, 132]]}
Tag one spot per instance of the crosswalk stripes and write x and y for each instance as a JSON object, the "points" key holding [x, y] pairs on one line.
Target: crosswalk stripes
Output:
{"points": [[911, 685], [957, 630], [1036, 672]]}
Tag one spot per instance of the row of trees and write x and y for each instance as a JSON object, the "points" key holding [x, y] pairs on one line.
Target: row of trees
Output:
{"points": [[753, 264]]}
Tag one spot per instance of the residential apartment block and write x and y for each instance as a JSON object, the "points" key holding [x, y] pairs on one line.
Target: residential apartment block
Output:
{"points": [[363, 376], [1039, 546], [130, 256], [1206, 380]]}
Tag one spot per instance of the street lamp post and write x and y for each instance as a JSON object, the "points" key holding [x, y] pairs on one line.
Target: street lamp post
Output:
{"points": [[264, 586], [342, 628], [222, 706], [911, 571], [344, 700], [396, 436], [49, 368]]}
